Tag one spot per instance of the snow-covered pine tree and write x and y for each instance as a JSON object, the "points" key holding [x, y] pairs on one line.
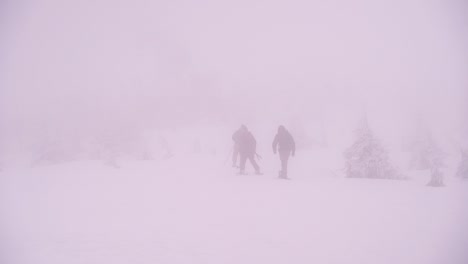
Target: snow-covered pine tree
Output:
{"points": [[419, 146], [367, 158], [53, 150], [426, 153], [462, 170], [435, 157], [107, 150]]}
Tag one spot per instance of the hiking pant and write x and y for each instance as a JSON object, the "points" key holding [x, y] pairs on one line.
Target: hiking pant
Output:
{"points": [[248, 156], [284, 157], [235, 154]]}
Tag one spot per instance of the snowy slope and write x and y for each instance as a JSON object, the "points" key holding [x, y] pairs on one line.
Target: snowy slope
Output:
{"points": [[195, 209]]}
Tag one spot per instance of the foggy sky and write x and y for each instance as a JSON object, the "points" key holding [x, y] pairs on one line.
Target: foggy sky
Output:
{"points": [[97, 63]]}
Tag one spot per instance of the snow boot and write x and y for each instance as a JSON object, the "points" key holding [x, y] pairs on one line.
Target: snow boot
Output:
{"points": [[282, 175]]}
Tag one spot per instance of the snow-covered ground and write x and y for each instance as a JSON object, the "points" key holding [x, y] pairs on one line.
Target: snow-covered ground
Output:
{"points": [[195, 209]]}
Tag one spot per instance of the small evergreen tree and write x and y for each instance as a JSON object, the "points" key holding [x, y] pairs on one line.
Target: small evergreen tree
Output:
{"points": [[435, 157], [50, 151], [421, 147], [462, 171], [108, 150], [366, 158]]}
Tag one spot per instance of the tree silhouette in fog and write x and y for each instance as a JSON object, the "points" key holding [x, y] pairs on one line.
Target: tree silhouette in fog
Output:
{"points": [[367, 158]]}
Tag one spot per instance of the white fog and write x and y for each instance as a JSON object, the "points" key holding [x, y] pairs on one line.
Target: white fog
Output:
{"points": [[131, 131]]}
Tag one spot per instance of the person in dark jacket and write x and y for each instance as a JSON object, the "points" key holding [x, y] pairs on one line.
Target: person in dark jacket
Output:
{"points": [[247, 146], [286, 146], [235, 149]]}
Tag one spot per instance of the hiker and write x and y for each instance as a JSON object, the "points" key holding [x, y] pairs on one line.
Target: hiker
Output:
{"points": [[247, 149], [235, 148], [286, 146]]}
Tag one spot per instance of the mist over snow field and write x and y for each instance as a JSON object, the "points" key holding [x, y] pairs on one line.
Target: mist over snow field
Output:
{"points": [[116, 120], [194, 208]]}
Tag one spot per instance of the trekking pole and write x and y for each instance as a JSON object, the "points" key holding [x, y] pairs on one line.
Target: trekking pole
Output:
{"points": [[258, 156]]}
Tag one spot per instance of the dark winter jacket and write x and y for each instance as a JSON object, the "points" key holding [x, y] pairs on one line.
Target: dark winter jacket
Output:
{"points": [[247, 143], [284, 140], [237, 136]]}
